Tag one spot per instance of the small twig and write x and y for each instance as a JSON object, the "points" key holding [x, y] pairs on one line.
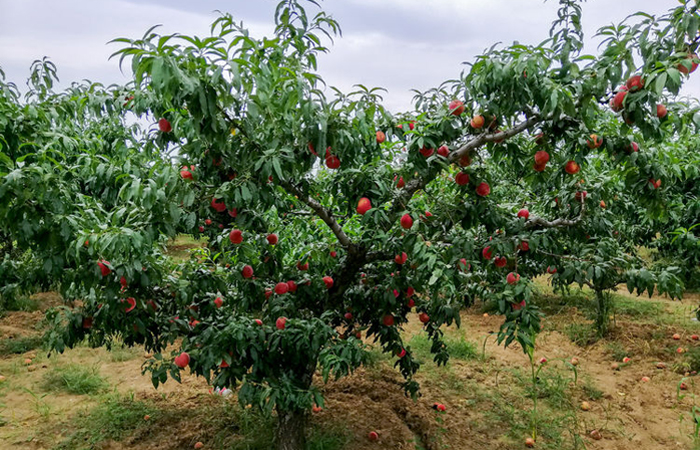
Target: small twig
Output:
{"points": [[309, 213]]}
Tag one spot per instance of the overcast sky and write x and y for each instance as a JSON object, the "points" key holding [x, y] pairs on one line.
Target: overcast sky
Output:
{"points": [[396, 44]]}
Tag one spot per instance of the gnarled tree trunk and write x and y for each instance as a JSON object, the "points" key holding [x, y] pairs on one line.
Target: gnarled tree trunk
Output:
{"points": [[291, 430], [291, 423]]}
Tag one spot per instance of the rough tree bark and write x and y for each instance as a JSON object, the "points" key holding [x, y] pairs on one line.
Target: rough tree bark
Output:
{"points": [[291, 422], [602, 321], [291, 430]]}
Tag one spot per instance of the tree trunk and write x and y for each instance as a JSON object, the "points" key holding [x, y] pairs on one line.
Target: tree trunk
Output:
{"points": [[291, 423], [291, 430], [604, 303]]}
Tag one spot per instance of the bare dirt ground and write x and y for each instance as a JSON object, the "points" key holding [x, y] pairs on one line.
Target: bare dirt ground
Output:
{"points": [[487, 400]]}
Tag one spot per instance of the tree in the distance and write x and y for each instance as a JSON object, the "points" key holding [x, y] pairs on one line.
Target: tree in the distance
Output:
{"points": [[330, 221]]}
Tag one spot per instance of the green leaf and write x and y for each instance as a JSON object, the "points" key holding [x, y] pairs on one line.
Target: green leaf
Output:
{"points": [[660, 83]]}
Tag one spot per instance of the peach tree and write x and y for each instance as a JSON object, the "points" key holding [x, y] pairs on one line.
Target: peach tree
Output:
{"points": [[79, 180], [577, 194], [607, 210], [331, 221], [678, 242]]}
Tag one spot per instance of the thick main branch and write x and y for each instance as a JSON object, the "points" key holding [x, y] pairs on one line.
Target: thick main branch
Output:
{"points": [[540, 222], [407, 193], [404, 197], [321, 212], [485, 138]]}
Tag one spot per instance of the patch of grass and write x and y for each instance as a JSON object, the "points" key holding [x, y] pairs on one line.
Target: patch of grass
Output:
{"points": [[121, 354], [112, 419], [557, 304], [420, 346], [40, 405], [625, 306], [75, 379], [20, 345], [442, 378], [445, 380], [374, 357], [692, 359], [659, 335], [581, 334], [179, 248], [617, 350], [457, 347], [461, 349], [647, 254], [584, 302], [551, 385], [256, 432], [3, 392], [556, 420], [22, 303], [328, 438], [187, 240]]}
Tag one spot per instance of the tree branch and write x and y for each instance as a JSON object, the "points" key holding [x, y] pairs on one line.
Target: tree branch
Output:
{"points": [[378, 256], [540, 222], [413, 186], [484, 138], [407, 193], [573, 258], [300, 213], [320, 211]]}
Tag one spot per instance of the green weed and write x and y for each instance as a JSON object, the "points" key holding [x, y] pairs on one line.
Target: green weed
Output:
{"points": [[617, 350], [692, 359], [75, 379], [581, 334], [21, 303], [374, 357], [591, 391], [20, 345], [461, 349], [40, 406], [636, 309], [458, 347], [112, 419], [121, 354], [245, 429], [551, 386], [556, 420]]}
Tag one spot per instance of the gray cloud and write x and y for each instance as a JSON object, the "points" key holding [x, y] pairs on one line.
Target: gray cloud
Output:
{"points": [[397, 44]]}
